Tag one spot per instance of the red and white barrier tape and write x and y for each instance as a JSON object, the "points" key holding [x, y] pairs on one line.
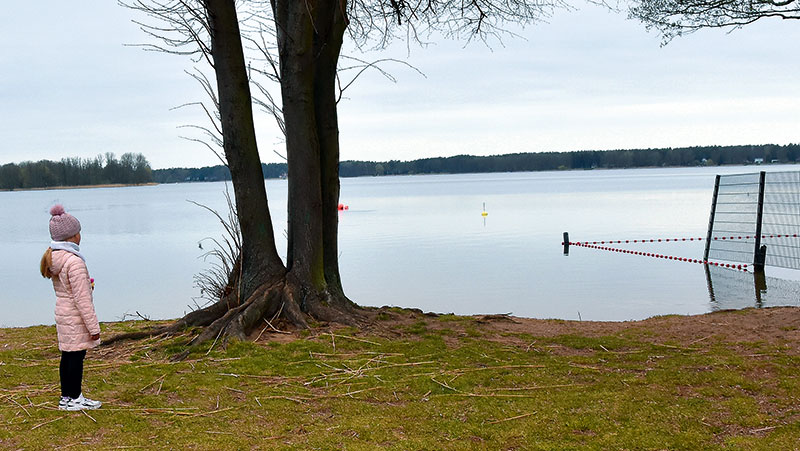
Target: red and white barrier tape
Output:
{"points": [[741, 267], [669, 240]]}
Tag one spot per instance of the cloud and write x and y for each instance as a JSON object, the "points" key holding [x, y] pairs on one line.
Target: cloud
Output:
{"points": [[588, 79]]}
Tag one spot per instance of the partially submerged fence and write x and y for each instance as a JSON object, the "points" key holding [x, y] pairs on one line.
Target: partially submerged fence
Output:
{"points": [[755, 218]]}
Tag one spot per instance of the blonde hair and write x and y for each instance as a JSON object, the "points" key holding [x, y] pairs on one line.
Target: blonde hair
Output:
{"points": [[46, 263]]}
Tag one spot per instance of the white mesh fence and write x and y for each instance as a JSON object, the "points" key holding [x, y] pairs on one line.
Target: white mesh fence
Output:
{"points": [[734, 230]]}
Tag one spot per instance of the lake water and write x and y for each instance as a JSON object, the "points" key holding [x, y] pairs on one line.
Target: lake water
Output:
{"points": [[412, 241]]}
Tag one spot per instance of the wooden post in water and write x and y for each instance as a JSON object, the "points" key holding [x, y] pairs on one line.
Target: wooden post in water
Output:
{"points": [[760, 282], [760, 258], [566, 243], [760, 252], [710, 285], [711, 218]]}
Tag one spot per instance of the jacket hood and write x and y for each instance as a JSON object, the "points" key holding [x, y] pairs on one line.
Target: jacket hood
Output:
{"points": [[60, 259]]}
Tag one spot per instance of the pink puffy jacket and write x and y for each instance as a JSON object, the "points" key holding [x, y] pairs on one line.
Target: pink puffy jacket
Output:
{"points": [[76, 320]]}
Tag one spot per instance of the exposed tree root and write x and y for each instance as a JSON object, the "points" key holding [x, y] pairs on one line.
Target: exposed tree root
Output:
{"points": [[285, 300], [198, 318]]}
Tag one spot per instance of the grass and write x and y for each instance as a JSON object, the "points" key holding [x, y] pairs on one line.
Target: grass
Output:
{"points": [[457, 387]]}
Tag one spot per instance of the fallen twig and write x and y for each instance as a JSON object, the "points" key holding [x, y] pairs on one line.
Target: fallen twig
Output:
{"points": [[676, 347], [104, 365], [359, 372], [485, 368], [90, 417], [536, 387], [20, 405], [48, 422], [153, 383], [262, 333], [700, 339], [269, 324], [443, 384], [351, 393], [356, 339], [394, 365], [504, 395], [202, 414], [288, 398], [149, 409], [586, 367], [512, 418], [215, 341], [346, 354]]}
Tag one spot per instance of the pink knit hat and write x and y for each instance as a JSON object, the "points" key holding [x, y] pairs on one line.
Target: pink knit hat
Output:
{"points": [[62, 225]]}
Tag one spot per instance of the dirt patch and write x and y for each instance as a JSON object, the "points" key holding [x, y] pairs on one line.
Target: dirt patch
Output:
{"points": [[744, 330], [776, 326]]}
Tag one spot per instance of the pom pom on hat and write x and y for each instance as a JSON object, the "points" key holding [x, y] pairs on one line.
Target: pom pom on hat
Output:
{"points": [[56, 210], [62, 225]]}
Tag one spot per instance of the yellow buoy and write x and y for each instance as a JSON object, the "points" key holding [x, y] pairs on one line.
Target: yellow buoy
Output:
{"points": [[484, 214]]}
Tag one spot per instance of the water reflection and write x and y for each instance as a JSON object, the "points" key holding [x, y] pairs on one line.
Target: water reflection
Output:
{"points": [[729, 289]]}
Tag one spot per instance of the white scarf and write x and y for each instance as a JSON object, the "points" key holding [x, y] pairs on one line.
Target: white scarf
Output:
{"points": [[68, 246]]}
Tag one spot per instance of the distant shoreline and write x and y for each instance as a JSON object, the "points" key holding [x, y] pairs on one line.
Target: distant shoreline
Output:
{"points": [[105, 185], [704, 156]]}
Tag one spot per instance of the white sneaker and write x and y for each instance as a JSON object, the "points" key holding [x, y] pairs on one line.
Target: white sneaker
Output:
{"points": [[86, 403], [79, 403], [64, 402]]}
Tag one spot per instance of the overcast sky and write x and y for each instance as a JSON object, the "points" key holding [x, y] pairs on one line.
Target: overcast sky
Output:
{"points": [[587, 80]]}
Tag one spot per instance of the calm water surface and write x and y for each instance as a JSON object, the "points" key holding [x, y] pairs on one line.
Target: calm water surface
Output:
{"points": [[412, 241]]}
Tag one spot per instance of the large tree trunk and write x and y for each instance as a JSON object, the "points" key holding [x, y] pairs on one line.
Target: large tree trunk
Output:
{"points": [[327, 45], [309, 39], [295, 47], [260, 261]]}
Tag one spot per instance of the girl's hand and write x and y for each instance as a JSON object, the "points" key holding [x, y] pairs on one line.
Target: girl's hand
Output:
{"points": [[95, 337]]}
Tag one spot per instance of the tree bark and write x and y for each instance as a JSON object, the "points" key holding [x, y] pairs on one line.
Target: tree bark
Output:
{"points": [[309, 40], [331, 23], [295, 48], [261, 263]]}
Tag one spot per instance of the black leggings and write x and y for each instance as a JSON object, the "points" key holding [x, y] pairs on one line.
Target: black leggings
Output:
{"points": [[71, 373]]}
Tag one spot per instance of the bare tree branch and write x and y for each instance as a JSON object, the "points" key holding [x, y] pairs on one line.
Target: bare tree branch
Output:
{"points": [[363, 66], [674, 18]]}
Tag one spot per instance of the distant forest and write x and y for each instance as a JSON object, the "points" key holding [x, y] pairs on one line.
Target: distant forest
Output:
{"points": [[102, 170], [545, 161], [134, 168]]}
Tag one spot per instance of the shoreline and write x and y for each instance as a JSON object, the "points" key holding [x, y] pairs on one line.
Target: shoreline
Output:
{"points": [[104, 185]]}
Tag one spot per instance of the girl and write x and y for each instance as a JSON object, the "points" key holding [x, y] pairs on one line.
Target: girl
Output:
{"points": [[76, 321]]}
